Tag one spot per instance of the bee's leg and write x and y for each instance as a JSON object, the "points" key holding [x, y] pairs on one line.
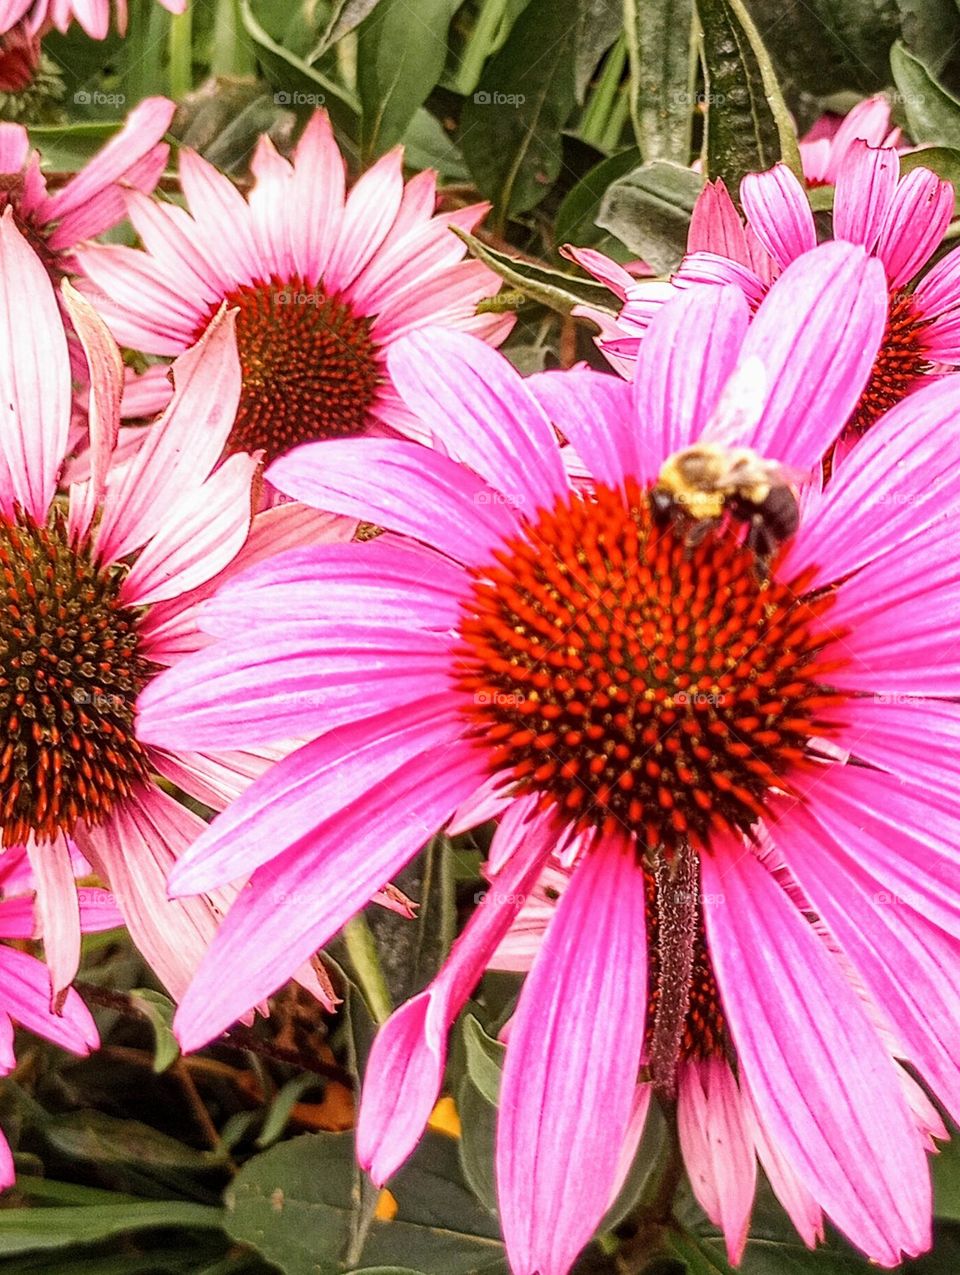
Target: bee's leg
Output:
{"points": [[763, 542], [699, 530]]}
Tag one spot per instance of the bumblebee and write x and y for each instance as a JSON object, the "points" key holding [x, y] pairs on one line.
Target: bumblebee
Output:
{"points": [[701, 484]]}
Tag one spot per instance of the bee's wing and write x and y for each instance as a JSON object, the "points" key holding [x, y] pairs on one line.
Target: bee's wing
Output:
{"points": [[739, 407]]}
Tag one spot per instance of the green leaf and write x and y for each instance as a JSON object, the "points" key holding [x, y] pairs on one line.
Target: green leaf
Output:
{"points": [[576, 220], [295, 1203], [484, 1060], [649, 210], [825, 46], [931, 29], [25, 1230], [158, 1010], [933, 115], [478, 1118], [748, 127], [945, 1170], [400, 56], [511, 127], [345, 16], [427, 145], [552, 288], [660, 45], [600, 22], [67, 149], [297, 83], [279, 1113]]}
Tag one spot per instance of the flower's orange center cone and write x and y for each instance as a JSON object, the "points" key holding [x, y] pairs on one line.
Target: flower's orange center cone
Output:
{"points": [[70, 674], [900, 363]]}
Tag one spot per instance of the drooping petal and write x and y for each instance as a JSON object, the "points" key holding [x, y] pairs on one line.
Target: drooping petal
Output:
{"points": [[569, 1082], [405, 1069], [821, 1079], [26, 998], [294, 905], [58, 910], [717, 1147]]}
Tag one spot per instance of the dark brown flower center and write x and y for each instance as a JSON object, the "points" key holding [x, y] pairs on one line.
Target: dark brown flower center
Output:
{"points": [[310, 367], [633, 679], [900, 363], [70, 674]]}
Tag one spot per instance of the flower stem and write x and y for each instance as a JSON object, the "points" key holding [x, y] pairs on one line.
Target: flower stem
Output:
{"points": [[181, 54], [366, 965]]}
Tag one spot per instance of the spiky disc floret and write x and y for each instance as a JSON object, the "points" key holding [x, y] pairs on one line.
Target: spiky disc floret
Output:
{"points": [[310, 367], [70, 674], [900, 363], [630, 677]]}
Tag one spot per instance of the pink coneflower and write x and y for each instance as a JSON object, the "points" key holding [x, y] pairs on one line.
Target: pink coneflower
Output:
{"points": [[19, 58], [900, 220], [25, 981], [826, 145], [633, 697], [90, 202], [99, 592], [92, 15], [323, 284]]}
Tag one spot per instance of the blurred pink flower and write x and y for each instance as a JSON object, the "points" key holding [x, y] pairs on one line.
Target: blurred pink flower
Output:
{"points": [[899, 220], [92, 15], [827, 144], [620, 696], [323, 283], [100, 592]]}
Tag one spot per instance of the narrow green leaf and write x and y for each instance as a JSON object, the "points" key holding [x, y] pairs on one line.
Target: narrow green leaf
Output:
{"points": [[552, 288], [279, 1113], [158, 1010], [933, 115], [600, 22], [400, 56], [345, 16], [748, 127], [649, 211], [662, 66], [576, 221], [23, 1230], [511, 126]]}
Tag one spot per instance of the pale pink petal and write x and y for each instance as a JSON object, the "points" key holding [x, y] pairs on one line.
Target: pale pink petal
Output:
{"points": [[402, 486], [26, 998], [58, 910], [707, 267], [822, 1082], [14, 139], [479, 408], [486, 803], [816, 335], [914, 225], [143, 306], [216, 202], [405, 1069], [135, 851], [296, 904], [511, 831], [678, 380], [568, 1088], [8, 1174], [866, 182], [310, 787], [318, 184], [802, 1209], [371, 208], [34, 377], [180, 450], [601, 267], [779, 213], [595, 412], [717, 1147]]}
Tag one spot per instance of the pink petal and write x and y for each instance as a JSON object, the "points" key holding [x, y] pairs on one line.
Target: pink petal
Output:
{"points": [[405, 1069], [708, 267], [176, 454], [914, 225], [402, 486], [716, 226], [801, 1207], [308, 788], [135, 852], [779, 213], [318, 184], [58, 911], [909, 968], [717, 1148], [371, 208], [568, 1089], [297, 903], [816, 334], [601, 267], [821, 1080], [595, 412], [480, 409], [866, 182], [679, 377], [26, 997], [918, 740], [34, 377]]}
